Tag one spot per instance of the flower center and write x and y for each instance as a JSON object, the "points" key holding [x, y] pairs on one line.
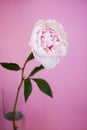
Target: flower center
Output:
{"points": [[48, 38]]}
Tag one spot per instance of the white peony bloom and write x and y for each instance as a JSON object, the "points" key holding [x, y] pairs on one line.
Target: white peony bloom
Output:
{"points": [[48, 42]]}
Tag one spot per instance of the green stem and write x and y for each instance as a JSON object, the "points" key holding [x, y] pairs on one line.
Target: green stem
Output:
{"points": [[17, 95], [14, 125]]}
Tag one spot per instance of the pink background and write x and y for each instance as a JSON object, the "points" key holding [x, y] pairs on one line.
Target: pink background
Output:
{"points": [[68, 109]]}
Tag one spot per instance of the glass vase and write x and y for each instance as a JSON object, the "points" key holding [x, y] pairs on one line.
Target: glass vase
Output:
{"points": [[12, 121]]}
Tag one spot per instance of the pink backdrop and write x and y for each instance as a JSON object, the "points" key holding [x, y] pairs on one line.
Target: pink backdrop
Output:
{"points": [[68, 109]]}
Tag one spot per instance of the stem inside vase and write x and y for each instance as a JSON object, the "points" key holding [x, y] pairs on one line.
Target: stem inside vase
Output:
{"points": [[15, 115]]}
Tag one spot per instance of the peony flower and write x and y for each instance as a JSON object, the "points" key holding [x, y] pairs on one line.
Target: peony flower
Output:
{"points": [[48, 42], [49, 45]]}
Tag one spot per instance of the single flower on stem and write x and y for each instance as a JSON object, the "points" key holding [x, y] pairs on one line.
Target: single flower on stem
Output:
{"points": [[49, 45]]}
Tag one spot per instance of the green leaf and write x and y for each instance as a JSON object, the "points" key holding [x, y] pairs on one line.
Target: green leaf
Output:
{"points": [[27, 88], [30, 57], [43, 86], [11, 66], [35, 70]]}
